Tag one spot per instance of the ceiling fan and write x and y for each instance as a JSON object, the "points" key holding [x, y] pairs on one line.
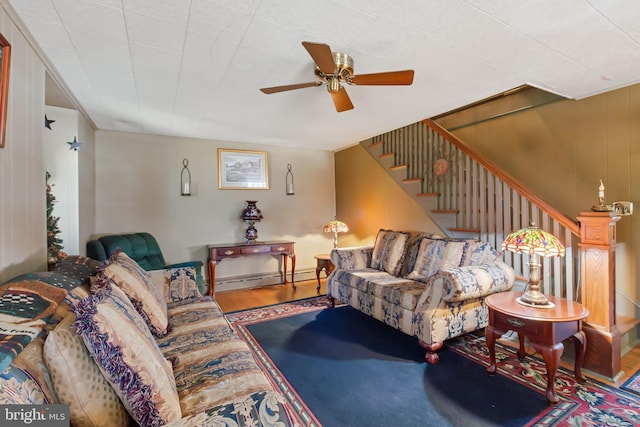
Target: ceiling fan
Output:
{"points": [[335, 68]]}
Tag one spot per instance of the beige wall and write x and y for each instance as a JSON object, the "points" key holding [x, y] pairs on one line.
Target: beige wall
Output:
{"points": [[368, 199], [138, 189], [22, 181], [562, 150]]}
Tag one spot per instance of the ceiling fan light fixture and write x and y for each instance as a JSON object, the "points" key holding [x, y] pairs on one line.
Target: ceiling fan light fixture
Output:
{"points": [[333, 85]]}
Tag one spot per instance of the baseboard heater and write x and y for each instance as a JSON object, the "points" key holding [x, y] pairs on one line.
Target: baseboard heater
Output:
{"points": [[248, 281]]}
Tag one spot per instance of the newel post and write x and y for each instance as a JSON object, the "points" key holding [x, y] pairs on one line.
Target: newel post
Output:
{"points": [[597, 252]]}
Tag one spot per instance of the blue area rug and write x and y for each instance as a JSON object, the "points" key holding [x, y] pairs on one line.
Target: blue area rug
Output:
{"points": [[339, 367]]}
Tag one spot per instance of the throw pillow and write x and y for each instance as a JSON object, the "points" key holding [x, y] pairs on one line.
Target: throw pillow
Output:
{"points": [[478, 252], [434, 255], [139, 286], [78, 382], [128, 356], [389, 251], [177, 283], [78, 267]]}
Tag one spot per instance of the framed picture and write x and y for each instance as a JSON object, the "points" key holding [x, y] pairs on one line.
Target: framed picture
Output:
{"points": [[243, 170], [5, 61]]}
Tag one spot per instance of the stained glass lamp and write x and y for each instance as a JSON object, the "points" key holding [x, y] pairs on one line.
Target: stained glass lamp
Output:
{"points": [[536, 243], [334, 226]]}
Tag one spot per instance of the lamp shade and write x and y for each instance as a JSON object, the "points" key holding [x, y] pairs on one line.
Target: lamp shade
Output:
{"points": [[251, 212], [335, 226], [531, 240]]}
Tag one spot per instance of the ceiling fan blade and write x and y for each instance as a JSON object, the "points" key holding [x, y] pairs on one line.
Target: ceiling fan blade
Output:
{"points": [[322, 56], [404, 77], [341, 100], [276, 89]]}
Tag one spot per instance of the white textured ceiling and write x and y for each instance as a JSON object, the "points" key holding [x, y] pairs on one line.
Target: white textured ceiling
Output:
{"points": [[194, 67]]}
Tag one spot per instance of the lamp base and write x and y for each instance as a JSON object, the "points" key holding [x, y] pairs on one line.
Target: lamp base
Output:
{"points": [[549, 304], [251, 234]]}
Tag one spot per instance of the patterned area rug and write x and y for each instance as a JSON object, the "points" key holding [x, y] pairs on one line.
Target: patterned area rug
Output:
{"points": [[632, 384], [589, 404]]}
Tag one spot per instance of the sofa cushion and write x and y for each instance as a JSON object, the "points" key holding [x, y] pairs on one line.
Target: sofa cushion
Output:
{"points": [[128, 356], [78, 382], [389, 251], [436, 254], [140, 288], [213, 365]]}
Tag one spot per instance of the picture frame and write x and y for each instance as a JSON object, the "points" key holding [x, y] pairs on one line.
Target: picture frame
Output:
{"points": [[5, 63], [243, 169]]}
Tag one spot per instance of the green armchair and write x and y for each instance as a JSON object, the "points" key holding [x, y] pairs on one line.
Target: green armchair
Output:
{"points": [[143, 249]]}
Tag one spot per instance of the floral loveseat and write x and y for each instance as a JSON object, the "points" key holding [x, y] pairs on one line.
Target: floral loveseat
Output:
{"points": [[130, 348], [425, 285]]}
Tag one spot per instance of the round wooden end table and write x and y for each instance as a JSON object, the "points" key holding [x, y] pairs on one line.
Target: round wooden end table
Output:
{"points": [[323, 263], [545, 328]]}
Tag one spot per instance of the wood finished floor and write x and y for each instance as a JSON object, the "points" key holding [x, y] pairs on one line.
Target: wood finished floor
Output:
{"points": [[258, 297]]}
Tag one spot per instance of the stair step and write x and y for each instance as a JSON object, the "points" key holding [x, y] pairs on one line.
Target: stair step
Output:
{"points": [[464, 230], [411, 180], [453, 211], [382, 156], [428, 195], [626, 323], [376, 144], [399, 167]]}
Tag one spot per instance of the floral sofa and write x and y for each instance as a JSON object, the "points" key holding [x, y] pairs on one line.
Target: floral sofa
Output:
{"points": [[425, 285], [121, 346]]}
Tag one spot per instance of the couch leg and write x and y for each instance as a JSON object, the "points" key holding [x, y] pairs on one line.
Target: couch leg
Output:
{"points": [[431, 357], [332, 301]]}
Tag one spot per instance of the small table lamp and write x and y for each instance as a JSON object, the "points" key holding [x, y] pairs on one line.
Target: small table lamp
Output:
{"points": [[535, 242], [334, 226]]}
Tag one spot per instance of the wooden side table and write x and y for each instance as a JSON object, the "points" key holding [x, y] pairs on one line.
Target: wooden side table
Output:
{"points": [[276, 248], [546, 328], [323, 263]]}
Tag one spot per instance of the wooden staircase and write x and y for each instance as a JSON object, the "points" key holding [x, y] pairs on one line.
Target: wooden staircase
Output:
{"points": [[469, 197]]}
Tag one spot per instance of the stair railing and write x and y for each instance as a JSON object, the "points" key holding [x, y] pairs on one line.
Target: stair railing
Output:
{"points": [[486, 201]]}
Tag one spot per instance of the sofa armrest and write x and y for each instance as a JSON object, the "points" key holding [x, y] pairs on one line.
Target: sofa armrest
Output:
{"points": [[354, 258], [474, 281], [195, 264]]}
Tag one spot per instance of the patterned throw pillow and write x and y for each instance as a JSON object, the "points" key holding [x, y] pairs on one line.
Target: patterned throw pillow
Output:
{"points": [[139, 286], [436, 254], [78, 267], [180, 284], [78, 382], [128, 357], [478, 252], [389, 251]]}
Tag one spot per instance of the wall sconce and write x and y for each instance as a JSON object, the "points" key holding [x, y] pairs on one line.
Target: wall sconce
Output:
{"points": [[289, 180], [185, 179]]}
